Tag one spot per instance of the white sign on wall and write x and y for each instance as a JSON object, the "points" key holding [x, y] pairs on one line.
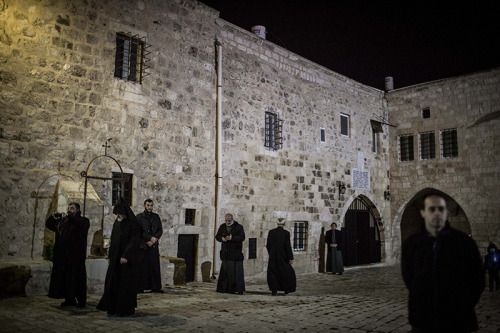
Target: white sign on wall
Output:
{"points": [[360, 179]]}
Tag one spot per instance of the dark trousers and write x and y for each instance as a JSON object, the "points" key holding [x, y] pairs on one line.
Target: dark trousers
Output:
{"points": [[493, 277], [150, 270], [77, 286]]}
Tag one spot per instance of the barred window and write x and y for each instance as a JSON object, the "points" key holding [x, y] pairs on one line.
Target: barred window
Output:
{"points": [[427, 146], [189, 218], [449, 143], [131, 57], [344, 124], [406, 148], [273, 132], [122, 187], [300, 235]]}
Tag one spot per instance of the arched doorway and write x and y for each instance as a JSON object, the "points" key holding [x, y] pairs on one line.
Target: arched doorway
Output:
{"points": [[361, 235], [412, 222]]}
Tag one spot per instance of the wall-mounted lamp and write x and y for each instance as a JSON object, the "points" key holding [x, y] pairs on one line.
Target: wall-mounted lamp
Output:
{"points": [[341, 190], [387, 195]]}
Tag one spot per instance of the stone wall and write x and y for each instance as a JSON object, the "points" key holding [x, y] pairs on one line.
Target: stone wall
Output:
{"points": [[471, 104], [61, 103]]}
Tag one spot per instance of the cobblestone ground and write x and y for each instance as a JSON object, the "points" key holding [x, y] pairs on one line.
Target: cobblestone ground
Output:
{"points": [[363, 299]]}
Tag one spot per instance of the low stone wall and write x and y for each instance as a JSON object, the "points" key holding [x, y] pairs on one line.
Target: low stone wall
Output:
{"points": [[32, 277]]}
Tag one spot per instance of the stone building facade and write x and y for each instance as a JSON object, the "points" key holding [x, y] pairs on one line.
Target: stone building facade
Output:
{"points": [[294, 134], [454, 130]]}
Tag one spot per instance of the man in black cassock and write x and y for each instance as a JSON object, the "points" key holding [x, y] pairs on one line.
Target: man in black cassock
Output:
{"points": [[333, 239], [231, 277], [68, 279], [122, 277], [150, 254], [280, 273]]}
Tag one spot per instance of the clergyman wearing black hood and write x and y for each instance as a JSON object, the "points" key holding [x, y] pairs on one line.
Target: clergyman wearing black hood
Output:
{"points": [[68, 279], [231, 277], [150, 254], [122, 277]]}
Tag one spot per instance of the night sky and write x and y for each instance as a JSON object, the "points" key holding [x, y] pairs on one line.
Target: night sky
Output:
{"points": [[412, 41]]}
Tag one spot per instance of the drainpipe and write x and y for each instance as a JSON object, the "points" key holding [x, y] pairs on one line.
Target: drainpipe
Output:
{"points": [[218, 174]]}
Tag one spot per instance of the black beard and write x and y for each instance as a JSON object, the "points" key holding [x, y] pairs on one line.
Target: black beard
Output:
{"points": [[71, 214]]}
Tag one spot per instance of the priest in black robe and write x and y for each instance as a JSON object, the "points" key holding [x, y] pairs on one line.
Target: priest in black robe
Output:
{"points": [[231, 278], [280, 273], [68, 278], [150, 253], [333, 239], [122, 277]]}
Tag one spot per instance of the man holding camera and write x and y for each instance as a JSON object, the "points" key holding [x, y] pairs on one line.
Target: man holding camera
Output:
{"points": [[68, 279]]}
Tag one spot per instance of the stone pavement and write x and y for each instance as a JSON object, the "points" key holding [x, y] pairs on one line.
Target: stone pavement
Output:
{"points": [[363, 299]]}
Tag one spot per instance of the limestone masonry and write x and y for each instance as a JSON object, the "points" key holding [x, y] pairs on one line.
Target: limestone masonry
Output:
{"points": [[64, 111]]}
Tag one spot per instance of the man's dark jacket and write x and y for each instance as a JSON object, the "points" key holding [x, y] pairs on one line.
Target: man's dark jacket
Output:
{"points": [[233, 249], [70, 252], [150, 271], [445, 278], [151, 227]]}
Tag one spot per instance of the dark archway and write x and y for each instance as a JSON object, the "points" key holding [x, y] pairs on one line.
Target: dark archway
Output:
{"points": [[361, 234], [412, 222]]}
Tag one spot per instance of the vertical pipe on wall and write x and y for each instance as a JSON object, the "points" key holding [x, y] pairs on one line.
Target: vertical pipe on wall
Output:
{"points": [[218, 174]]}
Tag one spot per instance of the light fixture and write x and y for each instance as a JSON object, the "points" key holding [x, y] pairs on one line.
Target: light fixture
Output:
{"points": [[341, 190], [387, 195]]}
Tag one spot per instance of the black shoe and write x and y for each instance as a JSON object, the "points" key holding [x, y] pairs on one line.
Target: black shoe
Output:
{"points": [[68, 303], [240, 293], [80, 305], [157, 291], [274, 292]]}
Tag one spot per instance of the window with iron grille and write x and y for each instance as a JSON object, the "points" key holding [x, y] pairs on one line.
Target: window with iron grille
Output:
{"points": [[273, 131], [122, 187], [406, 148], [300, 235], [189, 216], [322, 135], [427, 146], [252, 248], [449, 143], [131, 57], [344, 124]]}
